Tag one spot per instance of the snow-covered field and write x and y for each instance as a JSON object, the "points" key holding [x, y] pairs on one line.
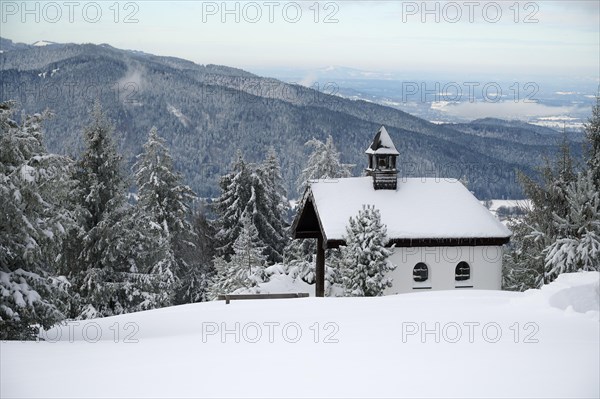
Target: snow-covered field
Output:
{"points": [[498, 203], [541, 343]]}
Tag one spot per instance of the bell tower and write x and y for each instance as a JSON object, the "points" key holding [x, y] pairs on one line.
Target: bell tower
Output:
{"points": [[382, 155]]}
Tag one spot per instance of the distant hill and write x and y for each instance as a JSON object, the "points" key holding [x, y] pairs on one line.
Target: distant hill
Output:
{"points": [[206, 112], [516, 131], [9, 45]]}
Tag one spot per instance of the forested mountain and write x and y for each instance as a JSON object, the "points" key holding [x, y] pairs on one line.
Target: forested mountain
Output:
{"points": [[517, 131], [206, 112]]}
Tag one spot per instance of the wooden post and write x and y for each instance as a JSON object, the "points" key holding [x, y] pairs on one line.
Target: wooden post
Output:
{"points": [[320, 269]]}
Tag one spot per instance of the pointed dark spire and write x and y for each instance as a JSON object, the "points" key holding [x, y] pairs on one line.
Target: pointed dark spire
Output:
{"points": [[382, 161], [382, 143]]}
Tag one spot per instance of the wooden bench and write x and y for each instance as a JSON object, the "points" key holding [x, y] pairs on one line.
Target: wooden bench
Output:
{"points": [[234, 297]]}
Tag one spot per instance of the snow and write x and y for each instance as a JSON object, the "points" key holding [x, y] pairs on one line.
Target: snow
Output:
{"points": [[42, 43], [280, 283], [383, 144], [184, 120], [28, 173], [580, 294], [498, 203], [22, 294], [365, 347], [419, 208], [18, 298]]}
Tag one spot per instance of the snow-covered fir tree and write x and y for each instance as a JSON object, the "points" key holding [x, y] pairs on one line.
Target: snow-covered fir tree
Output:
{"points": [[525, 261], [197, 286], [167, 201], [112, 256], [33, 186], [577, 245], [323, 163], [364, 257], [298, 262], [249, 253], [592, 133], [101, 184], [135, 272], [231, 204], [333, 269], [262, 214], [559, 233], [522, 266], [275, 236], [255, 191], [246, 267]]}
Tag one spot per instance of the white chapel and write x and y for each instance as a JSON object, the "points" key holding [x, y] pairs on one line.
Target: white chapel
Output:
{"points": [[443, 237]]}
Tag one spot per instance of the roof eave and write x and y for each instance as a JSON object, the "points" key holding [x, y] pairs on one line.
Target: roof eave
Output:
{"points": [[435, 242]]}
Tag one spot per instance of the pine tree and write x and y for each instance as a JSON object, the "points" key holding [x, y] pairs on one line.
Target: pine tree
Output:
{"points": [[560, 233], [259, 210], [99, 192], [364, 257], [205, 231], [248, 253], [101, 183], [197, 285], [33, 185], [167, 201], [224, 281], [592, 132], [255, 191], [269, 205], [246, 268], [298, 262], [522, 260], [323, 163], [577, 246], [232, 203], [117, 258], [334, 265], [135, 270], [536, 231], [277, 193]]}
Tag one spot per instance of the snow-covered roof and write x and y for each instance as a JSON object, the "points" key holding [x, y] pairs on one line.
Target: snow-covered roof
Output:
{"points": [[420, 208], [382, 143]]}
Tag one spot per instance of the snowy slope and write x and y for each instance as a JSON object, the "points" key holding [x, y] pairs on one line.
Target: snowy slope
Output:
{"points": [[372, 347], [42, 43], [498, 203]]}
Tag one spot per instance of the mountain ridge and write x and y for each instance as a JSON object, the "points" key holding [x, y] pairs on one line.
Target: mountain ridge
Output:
{"points": [[198, 108]]}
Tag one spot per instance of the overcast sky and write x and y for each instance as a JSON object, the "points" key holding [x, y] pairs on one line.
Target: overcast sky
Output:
{"points": [[543, 38]]}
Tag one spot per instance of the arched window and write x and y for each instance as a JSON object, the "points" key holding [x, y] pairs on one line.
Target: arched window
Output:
{"points": [[420, 272], [462, 271]]}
